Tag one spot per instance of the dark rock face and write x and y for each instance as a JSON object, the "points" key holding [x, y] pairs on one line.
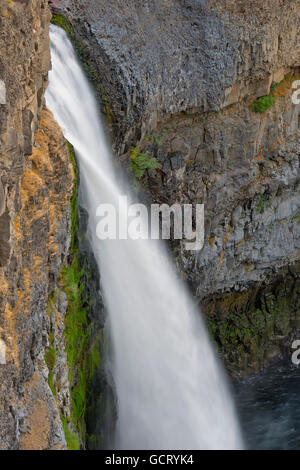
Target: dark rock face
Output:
{"points": [[245, 169], [4, 238], [178, 79], [162, 58], [101, 404]]}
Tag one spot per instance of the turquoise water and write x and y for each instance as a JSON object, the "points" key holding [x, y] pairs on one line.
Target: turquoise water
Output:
{"points": [[269, 408]]}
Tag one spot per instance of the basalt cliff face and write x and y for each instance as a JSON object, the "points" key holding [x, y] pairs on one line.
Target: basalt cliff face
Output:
{"points": [[184, 80], [36, 184]]}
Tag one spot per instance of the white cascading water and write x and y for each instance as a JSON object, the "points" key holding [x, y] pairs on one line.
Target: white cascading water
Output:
{"points": [[171, 390]]}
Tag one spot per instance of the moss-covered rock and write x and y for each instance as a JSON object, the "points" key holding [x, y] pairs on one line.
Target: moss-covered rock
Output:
{"points": [[253, 328], [73, 322]]}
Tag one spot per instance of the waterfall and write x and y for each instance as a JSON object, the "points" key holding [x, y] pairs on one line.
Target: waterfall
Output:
{"points": [[171, 390]]}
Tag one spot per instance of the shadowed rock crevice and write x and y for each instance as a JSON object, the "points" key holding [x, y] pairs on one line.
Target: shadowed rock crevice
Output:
{"points": [[4, 239]]}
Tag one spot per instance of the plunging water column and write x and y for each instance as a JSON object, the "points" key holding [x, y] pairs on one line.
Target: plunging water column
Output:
{"points": [[171, 392]]}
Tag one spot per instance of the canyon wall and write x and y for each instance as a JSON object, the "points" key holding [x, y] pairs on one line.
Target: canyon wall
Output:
{"points": [[205, 88], [36, 185], [181, 80]]}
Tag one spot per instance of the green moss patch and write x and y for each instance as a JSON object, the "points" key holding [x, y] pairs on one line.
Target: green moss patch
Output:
{"points": [[82, 346], [72, 438], [60, 20], [83, 351], [277, 90], [141, 162], [252, 329], [74, 201]]}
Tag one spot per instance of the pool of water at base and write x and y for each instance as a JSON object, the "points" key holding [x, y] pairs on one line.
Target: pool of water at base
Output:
{"points": [[268, 406]]}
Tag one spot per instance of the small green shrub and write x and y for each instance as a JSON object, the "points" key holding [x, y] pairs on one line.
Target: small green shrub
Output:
{"points": [[260, 206], [262, 104], [297, 217], [274, 86], [140, 162], [157, 139]]}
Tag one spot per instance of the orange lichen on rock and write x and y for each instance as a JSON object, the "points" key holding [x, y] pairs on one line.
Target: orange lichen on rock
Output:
{"points": [[38, 422]]}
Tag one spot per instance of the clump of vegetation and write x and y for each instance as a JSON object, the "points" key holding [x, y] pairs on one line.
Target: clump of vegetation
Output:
{"points": [[274, 86], [60, 20], [264, 201], [229, 330], [141, 162], [297, 217], [246, 326], [262, 104], [50, 359], [83, 353], [72, 438], [277, 90], [157, 139], [260, 206], [74, 200], [82, 347], [83, 356]]}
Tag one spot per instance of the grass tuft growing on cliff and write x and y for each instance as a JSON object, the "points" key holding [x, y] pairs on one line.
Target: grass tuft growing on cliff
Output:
{"points": [[141, 162], [72, 438], [277, 90], [262, 104]]}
